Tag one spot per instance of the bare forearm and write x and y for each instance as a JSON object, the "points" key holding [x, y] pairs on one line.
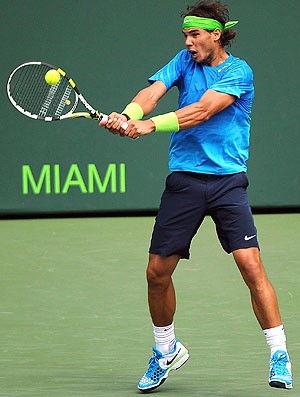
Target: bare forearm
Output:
{"points": [[148, 97], [211, 103], [146, 101], [191, 115]]}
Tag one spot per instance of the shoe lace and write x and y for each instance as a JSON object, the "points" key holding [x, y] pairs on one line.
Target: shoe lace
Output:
{"points": [[153, 362], [280, 366]]}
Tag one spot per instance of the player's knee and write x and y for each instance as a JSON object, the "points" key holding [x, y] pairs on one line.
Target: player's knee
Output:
{"points": [[254, 274], [156, 276]]}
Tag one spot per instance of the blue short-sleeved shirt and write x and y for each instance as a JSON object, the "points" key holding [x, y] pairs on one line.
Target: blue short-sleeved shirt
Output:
{"points": [[220, 145]]}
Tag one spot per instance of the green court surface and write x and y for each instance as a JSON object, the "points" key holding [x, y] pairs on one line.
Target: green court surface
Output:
{"points": [[74, 318]]}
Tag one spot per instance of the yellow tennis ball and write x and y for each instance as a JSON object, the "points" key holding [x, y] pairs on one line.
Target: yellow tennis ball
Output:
{"points": [[52, 77]]}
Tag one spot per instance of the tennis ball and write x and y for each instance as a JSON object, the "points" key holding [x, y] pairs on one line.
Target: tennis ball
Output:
{"points": [[52, 77]]}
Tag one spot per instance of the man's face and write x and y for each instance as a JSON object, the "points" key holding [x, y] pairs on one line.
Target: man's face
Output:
{"points": [[202, 44]]}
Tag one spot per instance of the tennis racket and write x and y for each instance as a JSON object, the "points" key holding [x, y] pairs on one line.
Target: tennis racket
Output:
{"points": [[29, 93]]}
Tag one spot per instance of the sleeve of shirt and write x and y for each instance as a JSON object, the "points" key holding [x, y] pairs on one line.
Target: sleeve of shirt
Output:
{"points": [[170, 73], [236, 80]]}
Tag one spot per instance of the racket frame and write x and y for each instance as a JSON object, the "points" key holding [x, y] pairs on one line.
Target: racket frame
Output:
{"points": [[91, 114]]}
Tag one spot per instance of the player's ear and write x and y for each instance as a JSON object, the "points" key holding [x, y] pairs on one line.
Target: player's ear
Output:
{"points": [[216, 34]]}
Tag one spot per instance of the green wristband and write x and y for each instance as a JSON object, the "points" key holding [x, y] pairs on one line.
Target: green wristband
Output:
{"points": [[134, 111], [167, 122]]}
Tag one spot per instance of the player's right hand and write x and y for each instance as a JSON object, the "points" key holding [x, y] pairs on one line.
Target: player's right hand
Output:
{"points": [[114, 123]]}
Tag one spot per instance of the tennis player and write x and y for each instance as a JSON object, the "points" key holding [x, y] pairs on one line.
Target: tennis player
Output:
{"points": [[207, 157]]}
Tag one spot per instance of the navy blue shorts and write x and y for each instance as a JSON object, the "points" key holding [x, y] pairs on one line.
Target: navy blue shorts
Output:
{"points": [[188, 197]]}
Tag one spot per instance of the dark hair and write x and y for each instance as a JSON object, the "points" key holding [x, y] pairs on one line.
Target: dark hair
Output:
{"points": [[215, 10]]}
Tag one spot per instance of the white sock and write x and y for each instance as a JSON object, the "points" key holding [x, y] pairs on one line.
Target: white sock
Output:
{"points": [[164, 338], [275, 338]]}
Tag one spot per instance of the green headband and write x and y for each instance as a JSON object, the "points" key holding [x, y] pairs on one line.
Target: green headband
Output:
{"points": [[205, 23]]}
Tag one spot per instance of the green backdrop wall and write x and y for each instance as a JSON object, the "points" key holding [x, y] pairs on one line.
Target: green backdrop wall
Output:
{"points": [[110, 48]]}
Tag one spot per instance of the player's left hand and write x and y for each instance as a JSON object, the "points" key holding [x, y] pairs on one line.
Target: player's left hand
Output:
{"points": [[137, 128]]}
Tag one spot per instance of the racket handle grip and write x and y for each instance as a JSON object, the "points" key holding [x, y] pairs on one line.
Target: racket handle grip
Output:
{"points": [[104, 117]]}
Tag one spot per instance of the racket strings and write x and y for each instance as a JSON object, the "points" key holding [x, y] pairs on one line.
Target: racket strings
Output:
{"points": [[34, 87], [25, 85], [19, 86], [30, 91]]}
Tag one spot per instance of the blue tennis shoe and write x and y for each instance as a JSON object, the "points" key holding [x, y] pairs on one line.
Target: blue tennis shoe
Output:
{"points": [[280, 370], [160, 366]]}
